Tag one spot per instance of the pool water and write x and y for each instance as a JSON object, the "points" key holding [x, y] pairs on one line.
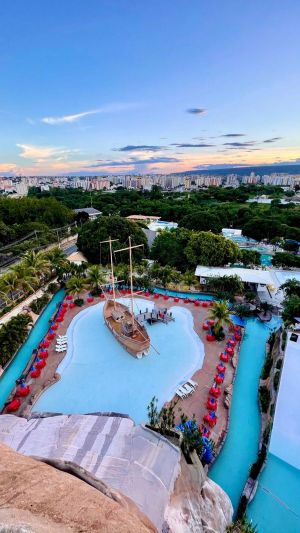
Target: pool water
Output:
{"points": [[266, 259], [190, 295], [276, 506], [20, 361], [231, 468], [97, 374]]}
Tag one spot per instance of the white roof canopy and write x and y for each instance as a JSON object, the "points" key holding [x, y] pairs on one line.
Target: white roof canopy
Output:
{"points": [[247, 275]]}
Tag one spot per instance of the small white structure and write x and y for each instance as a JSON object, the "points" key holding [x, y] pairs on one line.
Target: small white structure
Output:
{"points": [[91, 211], [230, 232]]}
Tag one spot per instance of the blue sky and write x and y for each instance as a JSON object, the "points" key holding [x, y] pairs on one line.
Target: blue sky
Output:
{"points": [[102, 86]]}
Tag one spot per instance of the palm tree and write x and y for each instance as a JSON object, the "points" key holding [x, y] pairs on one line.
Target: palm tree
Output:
{"points": [[291, 287], [220, 313], [190, 279], [95, 277], [9, 286], [57, 258], [27, 279], [265, 307], [38, 261], [75, 285]]}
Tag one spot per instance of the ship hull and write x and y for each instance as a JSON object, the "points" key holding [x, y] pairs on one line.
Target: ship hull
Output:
{"points": [[137, 345]]}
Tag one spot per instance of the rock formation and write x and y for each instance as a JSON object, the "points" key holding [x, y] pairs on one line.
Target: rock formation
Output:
{"points": [[36, 498], [197, 505]]}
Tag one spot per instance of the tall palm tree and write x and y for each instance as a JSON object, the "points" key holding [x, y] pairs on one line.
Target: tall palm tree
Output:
{"points": [[75, 285], [220, 313], [57, 258], [10, 287], [27, 279], [38, 261], [95, 276]]}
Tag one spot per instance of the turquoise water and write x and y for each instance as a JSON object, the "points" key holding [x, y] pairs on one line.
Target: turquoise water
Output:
{"points": [[190, 295], [241, 446], [19, 363], [266, 259], [97, 374], [276, 506]]}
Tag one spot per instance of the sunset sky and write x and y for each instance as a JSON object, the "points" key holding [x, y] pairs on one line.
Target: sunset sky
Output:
{"points": [[119, 86]]}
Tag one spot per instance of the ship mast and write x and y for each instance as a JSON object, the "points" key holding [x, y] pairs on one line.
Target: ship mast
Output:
{"points": [[130, 248], [110, 240]]}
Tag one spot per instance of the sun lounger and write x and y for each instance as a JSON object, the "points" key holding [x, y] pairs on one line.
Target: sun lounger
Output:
{"points": [[61, 347], [192, 383], [180, 394], [59, 350]]}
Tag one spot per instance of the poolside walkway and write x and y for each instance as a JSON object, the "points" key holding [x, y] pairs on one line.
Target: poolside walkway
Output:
{"points": [[195, 404]]}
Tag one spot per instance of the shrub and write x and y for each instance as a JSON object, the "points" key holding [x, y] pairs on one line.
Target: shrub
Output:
{"points": [[267, 433], [53, 287], [279, 364], [265, 398], [12, 335], [267, 366], [79, 302], [39, 304], [276, 379], [257, 466]]}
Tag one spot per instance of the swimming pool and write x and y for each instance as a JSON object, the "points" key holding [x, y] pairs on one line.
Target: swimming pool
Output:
{"points": [[20, 361], [241, 446], [97, 374], [181, 294]]}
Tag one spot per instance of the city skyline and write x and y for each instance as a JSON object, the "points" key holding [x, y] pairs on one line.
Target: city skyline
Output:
{"points": [[148, 88]]}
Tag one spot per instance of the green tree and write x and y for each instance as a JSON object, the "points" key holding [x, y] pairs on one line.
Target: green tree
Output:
{"points": [[291, 287], [95, 277], [92, 233], [75, 286], [291, 309], [207, 249], [37, 262], [250, 257], [10, 287], [220, 313]]}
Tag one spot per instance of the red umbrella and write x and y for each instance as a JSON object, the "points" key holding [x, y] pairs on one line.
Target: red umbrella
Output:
{"points": [[69, 297], [215, 391], [210, 338], [35, 373], [41, 364], [13, 405], [205, 326]]}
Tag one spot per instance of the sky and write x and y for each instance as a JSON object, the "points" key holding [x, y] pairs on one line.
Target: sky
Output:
{"points": [[147, 86]]}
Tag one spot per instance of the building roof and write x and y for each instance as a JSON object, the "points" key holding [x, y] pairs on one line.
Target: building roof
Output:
{"points": [[88, 210], [75, 257], [247, 275], [143, 217]]}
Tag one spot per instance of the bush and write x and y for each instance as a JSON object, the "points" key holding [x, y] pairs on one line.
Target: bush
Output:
{"points": [[265, 398], [267, 433], [276, 379], [267, 366], [79, 302], [39, 304], [53, 287], [12, 335], [257, 466], [279, 364], [283, 340]]}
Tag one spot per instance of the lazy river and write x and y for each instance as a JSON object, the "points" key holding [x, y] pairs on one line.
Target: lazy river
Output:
{"points": [[241, 446], [97, 374], [22, 357]]}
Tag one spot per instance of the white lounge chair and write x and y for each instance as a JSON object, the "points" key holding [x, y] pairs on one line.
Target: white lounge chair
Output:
{"points": [[193, 384], [62, 338], [60, 350], [180, 394], [61, 347]]}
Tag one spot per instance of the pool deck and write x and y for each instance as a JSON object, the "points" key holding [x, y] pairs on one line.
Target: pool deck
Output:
{"points": [[194, 404]]}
